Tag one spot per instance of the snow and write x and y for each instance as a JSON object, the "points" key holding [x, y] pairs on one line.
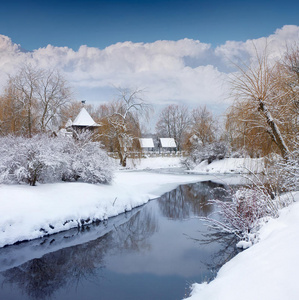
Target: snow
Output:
{"points": [[167, 143], [69, 123], [146, 143], [267, 270], [31, 212], [230, 165], [154, 163], [84, 119]]}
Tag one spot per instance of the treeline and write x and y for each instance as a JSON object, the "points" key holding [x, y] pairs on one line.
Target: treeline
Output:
{"points": [[34, 101], [263, 119]]}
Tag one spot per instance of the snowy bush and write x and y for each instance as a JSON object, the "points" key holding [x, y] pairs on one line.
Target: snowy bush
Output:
{"points": [[85, 160], [290, 171], [44, 159], [282, 177], [25, 160], [243, 215], [217, 150], [209, 152], [240, 153]]}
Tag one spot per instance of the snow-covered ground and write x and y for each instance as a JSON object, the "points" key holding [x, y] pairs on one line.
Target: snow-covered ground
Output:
{"points": [[153, 163], [224, 166], [230, 165], [265, 271], [30, 212]]}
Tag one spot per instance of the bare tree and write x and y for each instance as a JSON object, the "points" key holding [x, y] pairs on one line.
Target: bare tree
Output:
{"points": [[52, 94], [244, 132], [287, 77], [204, 125], [12, 113], [24, 85], [174, 122], [36, 97], [256, 87], [121, 124]]}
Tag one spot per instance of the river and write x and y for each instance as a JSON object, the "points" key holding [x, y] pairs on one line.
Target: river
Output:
{"points": [[153, 252]]}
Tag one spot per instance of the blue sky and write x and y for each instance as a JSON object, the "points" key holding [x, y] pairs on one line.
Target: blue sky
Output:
{"points": [[163, 55], [35, 24]]}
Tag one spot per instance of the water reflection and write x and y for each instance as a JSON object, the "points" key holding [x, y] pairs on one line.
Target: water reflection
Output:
{"points": [[226, 252], [134, 234], [67, 263], [40, 278], [190, 200], [67, 268]]}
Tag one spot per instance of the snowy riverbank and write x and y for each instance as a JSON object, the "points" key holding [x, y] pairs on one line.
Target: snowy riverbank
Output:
{"points": [[152, 163], [265, 271], [31, 212], [230, 166], [224, 166]]}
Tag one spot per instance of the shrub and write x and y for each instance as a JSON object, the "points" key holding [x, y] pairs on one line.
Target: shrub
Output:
{"points": [[45, 159], [209, 152], [242, 215]]}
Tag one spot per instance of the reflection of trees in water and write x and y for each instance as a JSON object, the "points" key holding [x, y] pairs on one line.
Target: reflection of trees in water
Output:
{"points": [[134, 234], [189, 200], [41, 278], [192, 200], [226, 252]]}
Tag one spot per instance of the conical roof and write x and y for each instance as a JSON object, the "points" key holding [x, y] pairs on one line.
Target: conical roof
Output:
{"points": [[69, 123], [84, 119]]}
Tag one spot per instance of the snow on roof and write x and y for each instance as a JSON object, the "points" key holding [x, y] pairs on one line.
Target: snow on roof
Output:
{"points": [[84, 119], [69, 123], [146, 143], [168, 143]]}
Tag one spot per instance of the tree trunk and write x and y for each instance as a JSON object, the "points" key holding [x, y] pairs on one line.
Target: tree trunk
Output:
{"points": [[123, 159], [276, 134]]}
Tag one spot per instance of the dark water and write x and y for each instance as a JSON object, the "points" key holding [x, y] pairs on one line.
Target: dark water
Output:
{"points": [[150, 253]]}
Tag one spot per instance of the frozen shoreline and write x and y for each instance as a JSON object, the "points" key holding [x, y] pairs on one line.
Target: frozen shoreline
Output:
{"points": [[267, 270], [32, 212], [230, 166]]}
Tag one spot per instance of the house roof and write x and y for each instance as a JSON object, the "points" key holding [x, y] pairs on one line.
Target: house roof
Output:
{"points": [[168, 143], [84, 119], [69, 123], [146, 143]]}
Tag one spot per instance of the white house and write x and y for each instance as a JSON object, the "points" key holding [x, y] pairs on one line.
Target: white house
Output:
{"points": [[146, 144], [167, 144]]}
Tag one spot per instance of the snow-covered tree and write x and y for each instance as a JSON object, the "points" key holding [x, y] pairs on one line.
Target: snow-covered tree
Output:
{"points": [[266, 100], [120, 128], [44, 159]]}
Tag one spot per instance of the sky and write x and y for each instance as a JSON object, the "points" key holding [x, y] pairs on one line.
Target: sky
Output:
{"points": [[35, 24], [176, 51]]}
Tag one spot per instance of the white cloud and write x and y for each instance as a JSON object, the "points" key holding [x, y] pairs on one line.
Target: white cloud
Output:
{"points": [[276, 45], [170, 71]]}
